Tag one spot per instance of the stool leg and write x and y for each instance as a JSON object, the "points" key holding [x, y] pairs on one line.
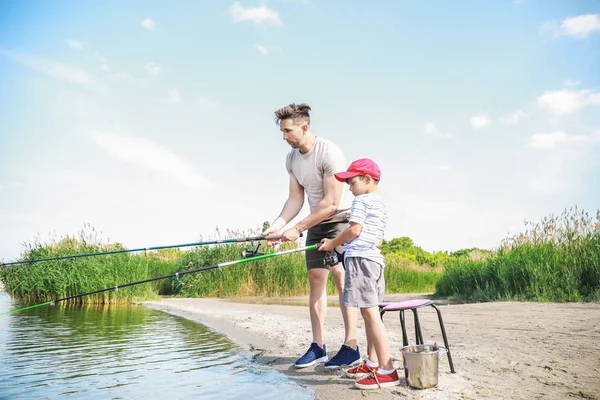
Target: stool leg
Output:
{"points": [[403, 326], [404, 342], [418, 333], [445, 339]]}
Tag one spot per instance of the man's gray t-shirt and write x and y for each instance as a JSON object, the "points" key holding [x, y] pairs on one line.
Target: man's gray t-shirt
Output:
{"points": [[324, 159]]}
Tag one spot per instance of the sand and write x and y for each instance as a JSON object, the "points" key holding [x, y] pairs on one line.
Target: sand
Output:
{"points": [[500, 350]]}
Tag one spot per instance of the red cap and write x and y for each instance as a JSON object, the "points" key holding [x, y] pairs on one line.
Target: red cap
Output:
{"points": [[363, 166]]}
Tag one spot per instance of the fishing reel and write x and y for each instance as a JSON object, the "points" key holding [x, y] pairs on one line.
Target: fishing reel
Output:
{"points": [[249, 253], [333, 258]]}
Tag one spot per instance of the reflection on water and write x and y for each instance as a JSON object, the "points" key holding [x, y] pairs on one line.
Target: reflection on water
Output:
{"points": [[125, 352]]}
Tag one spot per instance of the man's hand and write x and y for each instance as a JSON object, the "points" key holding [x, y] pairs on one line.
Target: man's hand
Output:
{"points": [[290, 235], [326, 245], [272, 231]]}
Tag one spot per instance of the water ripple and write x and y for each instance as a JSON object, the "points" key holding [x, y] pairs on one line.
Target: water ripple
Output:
{"points": [[125, 352]]}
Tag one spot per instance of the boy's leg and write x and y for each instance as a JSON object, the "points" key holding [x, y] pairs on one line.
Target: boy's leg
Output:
{"points": [[386, 375], [371, 353], [378, 336]]}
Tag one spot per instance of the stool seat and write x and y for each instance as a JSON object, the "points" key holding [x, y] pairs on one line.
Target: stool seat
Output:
{"points": [[412, 305], [405, 305]]}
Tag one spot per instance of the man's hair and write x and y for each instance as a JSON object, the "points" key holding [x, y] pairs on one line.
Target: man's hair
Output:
{"points": [[293, 111]]}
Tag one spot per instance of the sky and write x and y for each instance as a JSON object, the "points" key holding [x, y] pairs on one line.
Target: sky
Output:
{"points": [[152, 121]]}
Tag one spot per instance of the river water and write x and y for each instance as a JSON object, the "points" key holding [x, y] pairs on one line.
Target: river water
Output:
{"points": [[125, 352]]}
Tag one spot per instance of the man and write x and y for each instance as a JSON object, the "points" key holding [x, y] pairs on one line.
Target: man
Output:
{"points": [[311, 164]]}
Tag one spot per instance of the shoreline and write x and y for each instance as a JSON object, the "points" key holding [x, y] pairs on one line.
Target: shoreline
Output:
{"points": [[499, 350]]}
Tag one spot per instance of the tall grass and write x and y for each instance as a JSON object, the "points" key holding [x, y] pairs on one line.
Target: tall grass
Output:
{"points": [[555, 259], [49, 280], [272, 277], [404, 276]]}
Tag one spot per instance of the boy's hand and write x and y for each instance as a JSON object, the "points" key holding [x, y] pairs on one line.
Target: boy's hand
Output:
{"points": [[326, 245]]}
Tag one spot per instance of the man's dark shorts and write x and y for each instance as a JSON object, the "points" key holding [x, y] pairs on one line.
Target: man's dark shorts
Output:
{"points": [[330, 228]]}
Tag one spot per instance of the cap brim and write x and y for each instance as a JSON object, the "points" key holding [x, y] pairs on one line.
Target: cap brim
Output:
{"points": [[342, 176]]}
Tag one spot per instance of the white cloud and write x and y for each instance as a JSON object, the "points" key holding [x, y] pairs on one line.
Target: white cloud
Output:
{"points": [[124, 77], [578, 27], [512, 118], [148, 23], [152, 68], [261, 49], [76, 44], [105, 67], [431, 129], [518, 2], [57, 70], [570, 83], [206, 103], [173, 97], [581, 26], [480, 121], [551, 140], [146, 154], [101, 57], [565, 101], [258, 15]]}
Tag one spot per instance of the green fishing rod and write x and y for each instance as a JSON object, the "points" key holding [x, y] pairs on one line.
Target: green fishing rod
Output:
{"points": [[102, 253], [176, 275]]}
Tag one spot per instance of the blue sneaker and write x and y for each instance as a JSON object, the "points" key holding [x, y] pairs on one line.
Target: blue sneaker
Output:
{"points": [[313, 355], [346, 356]]}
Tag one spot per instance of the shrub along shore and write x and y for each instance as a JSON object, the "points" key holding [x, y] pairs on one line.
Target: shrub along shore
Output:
{"points": [[556, 259]]}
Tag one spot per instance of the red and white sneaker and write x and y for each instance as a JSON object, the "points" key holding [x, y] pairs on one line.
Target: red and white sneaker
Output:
{"points": [[361, 371], [377, 380]]}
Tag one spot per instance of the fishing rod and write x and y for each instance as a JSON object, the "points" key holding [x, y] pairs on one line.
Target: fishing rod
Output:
{"points": [[102, 253], [175, 275]]}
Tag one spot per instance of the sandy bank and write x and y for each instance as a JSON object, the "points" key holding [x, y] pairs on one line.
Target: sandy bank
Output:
{"points": [[502, 350]]}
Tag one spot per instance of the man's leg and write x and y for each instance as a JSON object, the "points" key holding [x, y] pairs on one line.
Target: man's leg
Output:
{"points": [[349, 314], [317, 302], [348, 354]]}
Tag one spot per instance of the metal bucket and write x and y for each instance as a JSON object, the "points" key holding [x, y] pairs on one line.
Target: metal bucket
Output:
{"points": [[421, 362]]}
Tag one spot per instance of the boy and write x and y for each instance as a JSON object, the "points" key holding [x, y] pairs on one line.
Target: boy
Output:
{"points": [[364, 281]]}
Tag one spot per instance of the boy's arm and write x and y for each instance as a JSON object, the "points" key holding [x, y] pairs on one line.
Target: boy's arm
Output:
{"points": [[348, 235]]}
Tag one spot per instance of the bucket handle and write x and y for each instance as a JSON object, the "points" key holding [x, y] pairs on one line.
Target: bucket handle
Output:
{"points": [[440, 349]]}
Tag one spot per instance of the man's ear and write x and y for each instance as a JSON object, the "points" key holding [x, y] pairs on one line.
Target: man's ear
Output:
{"points": [[304, 128]]}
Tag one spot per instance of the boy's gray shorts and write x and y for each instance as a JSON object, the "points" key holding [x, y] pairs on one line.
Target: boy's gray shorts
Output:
{"points": [[364, 284]]}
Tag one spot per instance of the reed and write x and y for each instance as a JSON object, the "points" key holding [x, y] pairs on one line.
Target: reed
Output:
{"points": [[272, 277], [49, 280], [556, 259]]}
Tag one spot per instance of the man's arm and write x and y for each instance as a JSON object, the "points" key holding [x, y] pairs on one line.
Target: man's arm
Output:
{"points": [[331, 199], [332, 195], [291, 208]]}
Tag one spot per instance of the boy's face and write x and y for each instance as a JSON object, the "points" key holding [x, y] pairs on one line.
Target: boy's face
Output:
{"points": [[358, 185]]}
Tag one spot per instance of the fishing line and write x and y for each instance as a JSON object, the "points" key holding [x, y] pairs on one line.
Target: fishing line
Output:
{"points": [[173, 275], [220, 241]]}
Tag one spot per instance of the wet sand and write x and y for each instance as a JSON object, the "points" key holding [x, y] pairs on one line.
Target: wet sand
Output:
{"points": [[500, 350]]}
